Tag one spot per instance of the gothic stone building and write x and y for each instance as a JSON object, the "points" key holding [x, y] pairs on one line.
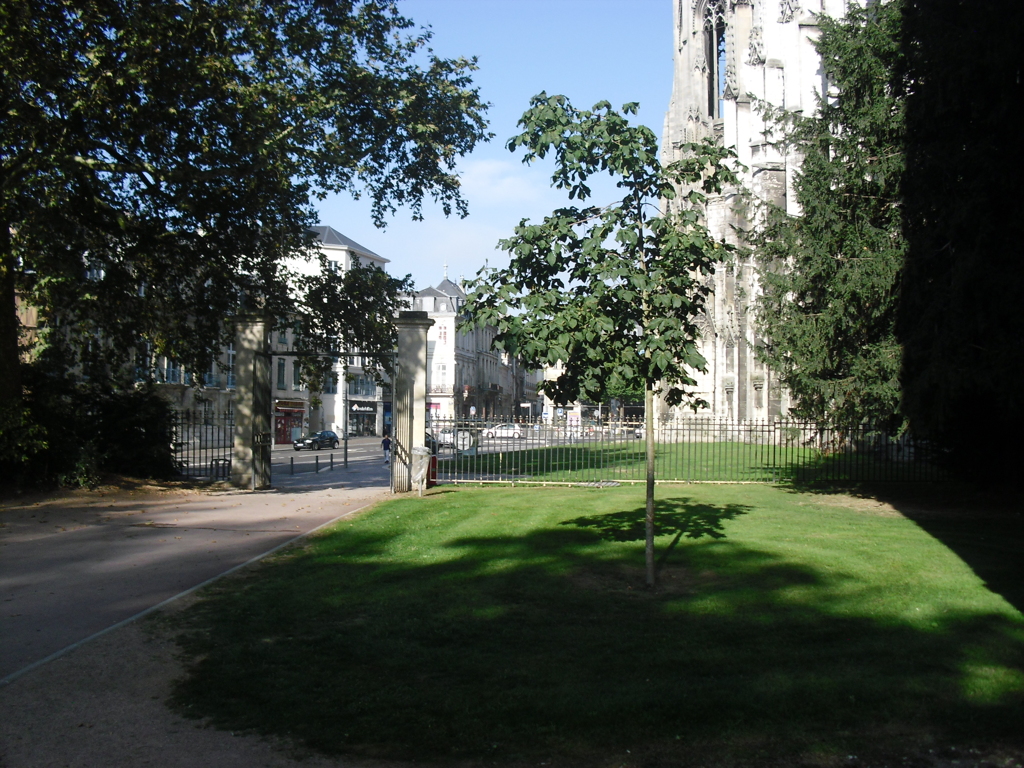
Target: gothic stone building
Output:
{"points": [[730, 55]]}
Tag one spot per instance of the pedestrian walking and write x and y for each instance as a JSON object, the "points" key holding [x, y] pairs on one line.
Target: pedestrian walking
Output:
{"points": [[386, 445]]}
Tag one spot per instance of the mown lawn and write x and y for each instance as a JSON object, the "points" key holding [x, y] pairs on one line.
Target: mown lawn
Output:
{"points": [[625, 461], [514, 625]]}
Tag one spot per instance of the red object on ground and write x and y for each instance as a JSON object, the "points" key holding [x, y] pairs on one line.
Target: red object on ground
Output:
{"points": [[432, 472]]}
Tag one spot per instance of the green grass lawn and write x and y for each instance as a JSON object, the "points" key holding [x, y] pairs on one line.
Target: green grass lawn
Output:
{"points": [[625, 461], [513, 625]]}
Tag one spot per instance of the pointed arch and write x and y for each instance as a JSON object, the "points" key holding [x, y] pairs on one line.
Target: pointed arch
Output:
{"points": [[710, 16]]}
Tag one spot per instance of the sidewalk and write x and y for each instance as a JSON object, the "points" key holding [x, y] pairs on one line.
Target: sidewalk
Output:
{"points": [[75, 564]]}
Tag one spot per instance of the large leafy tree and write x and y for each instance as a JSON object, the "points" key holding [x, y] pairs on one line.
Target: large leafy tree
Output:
{"points": [[158, 159], [611, 292], [348, 311], [831, 270], [961, 322]]}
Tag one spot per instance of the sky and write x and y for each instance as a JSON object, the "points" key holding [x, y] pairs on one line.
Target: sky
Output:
{"points": [[587, 50]]}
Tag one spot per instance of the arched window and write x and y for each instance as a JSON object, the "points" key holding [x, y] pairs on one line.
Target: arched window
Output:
{"points": [[714, 55]]}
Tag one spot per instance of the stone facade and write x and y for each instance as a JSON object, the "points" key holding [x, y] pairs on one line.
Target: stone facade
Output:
{"points": [[729, 56], [359, 405], [465, 376]]}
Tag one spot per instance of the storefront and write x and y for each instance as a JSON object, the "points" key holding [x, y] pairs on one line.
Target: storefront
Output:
{"points": [[289, 418], [362, 418]]}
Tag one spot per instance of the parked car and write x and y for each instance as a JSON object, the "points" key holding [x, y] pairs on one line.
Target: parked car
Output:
{"points": [[504, 430], [317, 440], [446, 436]]}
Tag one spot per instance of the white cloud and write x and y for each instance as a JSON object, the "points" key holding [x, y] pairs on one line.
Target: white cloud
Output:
{"points": [[500, 183]]}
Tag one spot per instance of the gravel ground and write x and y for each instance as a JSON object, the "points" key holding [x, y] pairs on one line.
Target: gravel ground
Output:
{"points": [[102, 705]]}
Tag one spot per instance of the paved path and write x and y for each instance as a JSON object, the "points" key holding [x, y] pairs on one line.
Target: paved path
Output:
{"points": [[77, 564]]}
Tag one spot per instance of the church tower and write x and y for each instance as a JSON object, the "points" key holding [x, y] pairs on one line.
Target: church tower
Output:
{"points": [[729, 56]]}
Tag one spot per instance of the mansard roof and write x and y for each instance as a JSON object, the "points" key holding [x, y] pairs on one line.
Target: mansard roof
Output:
{"points": [[431, 292], [331, 236], [448, 288]]}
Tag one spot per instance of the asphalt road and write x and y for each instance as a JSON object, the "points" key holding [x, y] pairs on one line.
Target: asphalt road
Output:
{"points": [[363, 453], [79, 563]]}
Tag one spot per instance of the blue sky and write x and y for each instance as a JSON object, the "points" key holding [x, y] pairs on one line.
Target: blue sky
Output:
{"points": [[589, 50]]}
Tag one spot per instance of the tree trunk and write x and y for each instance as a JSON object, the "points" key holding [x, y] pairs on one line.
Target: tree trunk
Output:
{"points": [[10, 326], [649, 517]]}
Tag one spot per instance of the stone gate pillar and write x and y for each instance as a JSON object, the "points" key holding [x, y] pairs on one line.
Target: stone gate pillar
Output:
{"points": [[409, 401], [252, 404]]}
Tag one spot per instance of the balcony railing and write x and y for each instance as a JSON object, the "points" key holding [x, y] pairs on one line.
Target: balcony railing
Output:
{"points": [[171, 375]]}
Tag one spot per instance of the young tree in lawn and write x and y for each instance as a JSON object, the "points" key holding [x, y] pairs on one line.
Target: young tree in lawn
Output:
{"points": [[611, 292], [158, 160]]}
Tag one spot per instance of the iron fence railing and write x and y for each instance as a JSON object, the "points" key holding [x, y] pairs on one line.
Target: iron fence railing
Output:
{"points": [[202, 443], [687, 450]]}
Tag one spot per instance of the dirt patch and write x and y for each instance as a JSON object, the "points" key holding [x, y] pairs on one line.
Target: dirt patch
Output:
{"points": [[69, 509], [111, 487], [863, 504], [923, 500]]}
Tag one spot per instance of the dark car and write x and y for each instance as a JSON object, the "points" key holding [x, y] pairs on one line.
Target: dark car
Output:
{"points": [[317, 440]]}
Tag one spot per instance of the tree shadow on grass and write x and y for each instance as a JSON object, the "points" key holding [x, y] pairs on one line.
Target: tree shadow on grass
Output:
{"points": [[495, 651], [983, 525], [677, 517]]}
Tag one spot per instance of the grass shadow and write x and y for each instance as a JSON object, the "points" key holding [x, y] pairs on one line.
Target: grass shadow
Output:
{"points": [[983, 525], [422, 633], [676, 517]]}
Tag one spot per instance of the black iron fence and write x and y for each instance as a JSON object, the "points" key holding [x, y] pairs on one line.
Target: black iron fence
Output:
{"points": [[687, 450], [202, 443]]}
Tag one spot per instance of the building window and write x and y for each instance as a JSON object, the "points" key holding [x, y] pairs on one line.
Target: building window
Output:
{"points": [[714, 56], [231, 366], [296, 375], [143, 361], [282, 336], [362, 386], [280, 373], [210, 378], [172, 373]]}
